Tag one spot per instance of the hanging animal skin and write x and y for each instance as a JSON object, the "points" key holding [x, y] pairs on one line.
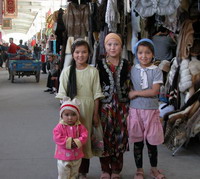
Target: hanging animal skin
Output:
{"points": [[147, 8]]}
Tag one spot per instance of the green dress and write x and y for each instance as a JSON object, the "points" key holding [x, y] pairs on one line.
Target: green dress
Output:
{"points": [[88, 90]]}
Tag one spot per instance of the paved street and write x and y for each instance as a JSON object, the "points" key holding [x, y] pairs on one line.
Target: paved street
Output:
{"points": [[27, 117]]}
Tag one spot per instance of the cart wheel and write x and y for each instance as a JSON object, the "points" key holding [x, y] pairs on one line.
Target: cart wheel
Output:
{"points": [[37, 76], [12, 77]]}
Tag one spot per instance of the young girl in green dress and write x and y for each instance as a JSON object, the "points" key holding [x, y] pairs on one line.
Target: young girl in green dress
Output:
{"points": [[81, 80]]}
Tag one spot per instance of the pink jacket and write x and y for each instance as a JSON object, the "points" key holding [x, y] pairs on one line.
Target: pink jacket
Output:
{"points": [[63, 135]]}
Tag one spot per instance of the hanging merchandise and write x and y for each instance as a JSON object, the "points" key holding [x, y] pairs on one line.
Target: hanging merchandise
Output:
{"points": [[50, 21], [185, 78], [147, 8], [112, 17], [33, 41], [0, 37], [76, 21], [7, 23], [194, 51], [194, 66], [10, 8], [1, 12], [60, 28], [135, 22], [51, 44], [185, 39], [194, 9], [182, 124]]}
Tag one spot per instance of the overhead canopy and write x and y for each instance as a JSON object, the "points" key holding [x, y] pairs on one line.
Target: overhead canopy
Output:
{"points": [[31, 13]]}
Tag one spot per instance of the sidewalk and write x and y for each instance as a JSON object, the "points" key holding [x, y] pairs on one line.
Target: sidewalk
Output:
{"points": [[27, 117]]}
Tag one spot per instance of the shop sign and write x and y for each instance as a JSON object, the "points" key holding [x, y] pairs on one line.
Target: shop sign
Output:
{"points": [[7, 24], [10, 8]]}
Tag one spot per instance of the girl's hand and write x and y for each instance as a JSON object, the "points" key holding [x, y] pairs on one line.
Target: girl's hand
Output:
{"points": [[53, 78], [95, 120], [73, 144], [132, 94]]}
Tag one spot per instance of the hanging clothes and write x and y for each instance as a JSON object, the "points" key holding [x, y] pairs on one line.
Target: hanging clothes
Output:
{"points": [[147, 8], [112, 17], [195, 49], [59, 30], [76, 20], [185, 40]]}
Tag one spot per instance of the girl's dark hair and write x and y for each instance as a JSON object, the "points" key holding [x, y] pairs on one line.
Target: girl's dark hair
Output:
{"points": [[163, 29], [71, 84], [147, 44]]}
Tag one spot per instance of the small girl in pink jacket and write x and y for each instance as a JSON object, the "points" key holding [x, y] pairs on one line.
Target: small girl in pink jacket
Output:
{"points": [[69, 136]]}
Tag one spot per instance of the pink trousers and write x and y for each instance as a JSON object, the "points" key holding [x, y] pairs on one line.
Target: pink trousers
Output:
{"points": [[144, 125]]}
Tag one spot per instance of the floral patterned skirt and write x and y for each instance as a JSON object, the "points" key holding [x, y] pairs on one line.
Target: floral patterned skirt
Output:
{"points": [[113, 118]]}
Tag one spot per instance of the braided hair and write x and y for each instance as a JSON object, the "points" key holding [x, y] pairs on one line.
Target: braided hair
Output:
{"points": [[71, 85]]}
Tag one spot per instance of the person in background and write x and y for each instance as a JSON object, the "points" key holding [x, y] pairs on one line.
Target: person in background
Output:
{"points": [[69, 135], [13, 48], [36, 52], [114, 79], [81, 81], [43, 58], [4, 55], [144, 123], [55, 77], [2, 48], [52, 63], [165, 44], [1, 58], [21, 44], [26, 46], [12, 52]]}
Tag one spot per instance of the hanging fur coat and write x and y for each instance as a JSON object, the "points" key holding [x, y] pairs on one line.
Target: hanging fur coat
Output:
{"points": [[179, 128], [76, 20]]}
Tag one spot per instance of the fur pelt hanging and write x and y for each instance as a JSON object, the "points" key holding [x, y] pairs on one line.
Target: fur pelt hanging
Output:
{"points": [[177, 122], [101, 14], [147, 8]]}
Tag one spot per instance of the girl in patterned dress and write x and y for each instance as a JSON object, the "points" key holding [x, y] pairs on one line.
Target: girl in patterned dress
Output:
{"points": [[114, 79]]}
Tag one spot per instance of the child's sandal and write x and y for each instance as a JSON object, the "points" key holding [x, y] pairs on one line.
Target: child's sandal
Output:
{"points": [[115, 176], [105, 175], [139, 175], [159, 176]]}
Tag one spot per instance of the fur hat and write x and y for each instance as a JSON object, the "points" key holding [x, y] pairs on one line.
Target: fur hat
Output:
{"points": [[69, 104], [164, 65]]}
